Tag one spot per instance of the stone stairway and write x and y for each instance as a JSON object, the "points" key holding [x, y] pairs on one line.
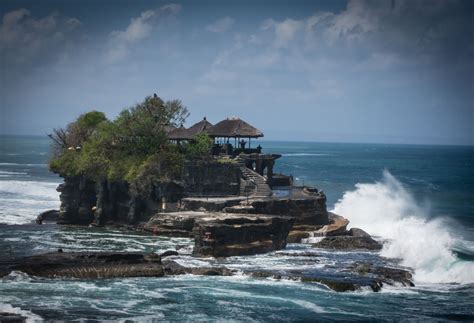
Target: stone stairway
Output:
{"points": [[259, 187]]}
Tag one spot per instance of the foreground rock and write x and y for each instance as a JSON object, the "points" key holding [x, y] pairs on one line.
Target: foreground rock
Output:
{"points": [[228, 235], [87, 265], [383, 275], [93, 265], [349, 243], [224, 234], [48, 216], [173, 268], [11, 318]]}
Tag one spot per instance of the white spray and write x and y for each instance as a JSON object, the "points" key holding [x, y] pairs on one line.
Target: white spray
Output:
{"points": [[386, 209]]}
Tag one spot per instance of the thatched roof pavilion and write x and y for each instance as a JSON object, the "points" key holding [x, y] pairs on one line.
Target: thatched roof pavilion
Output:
{"points": [[180, 133], [234, 128], [199, 127]]}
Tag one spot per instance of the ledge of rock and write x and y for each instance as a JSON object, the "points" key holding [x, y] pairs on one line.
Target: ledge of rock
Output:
{"points": [[337, 226], [383, 275], [87, 265], [224, 235], [349, 243], [12, 317], [93, 265], [174, 223], [48, 216]]}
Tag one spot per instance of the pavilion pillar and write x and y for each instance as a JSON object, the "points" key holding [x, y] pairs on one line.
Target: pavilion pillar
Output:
{"points": [[270, 164]]}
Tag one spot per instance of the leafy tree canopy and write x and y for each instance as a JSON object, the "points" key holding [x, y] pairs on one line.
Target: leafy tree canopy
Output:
{"points": [[134, 147]]}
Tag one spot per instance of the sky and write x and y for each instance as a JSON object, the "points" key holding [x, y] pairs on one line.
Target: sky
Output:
{"points": [[329, 71]]}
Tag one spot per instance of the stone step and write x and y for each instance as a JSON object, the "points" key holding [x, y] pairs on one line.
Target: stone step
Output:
{"points": [[261, 186]]}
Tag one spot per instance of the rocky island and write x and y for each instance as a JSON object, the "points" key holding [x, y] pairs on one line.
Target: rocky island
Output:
{"points": [[147, 172]]}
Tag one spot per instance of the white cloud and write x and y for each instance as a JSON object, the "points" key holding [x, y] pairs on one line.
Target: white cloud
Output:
{"points": [[221, 25], [285, 31], [139, 28]]}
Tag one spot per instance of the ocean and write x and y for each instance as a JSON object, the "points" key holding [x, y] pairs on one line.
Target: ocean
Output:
{"points": [[418, 200]]}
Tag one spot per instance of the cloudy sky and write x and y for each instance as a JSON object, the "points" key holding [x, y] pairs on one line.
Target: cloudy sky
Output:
{"points": [[348, 71]]}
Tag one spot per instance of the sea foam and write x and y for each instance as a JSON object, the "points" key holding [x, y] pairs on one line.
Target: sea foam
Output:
{"points": [[386, 209], [22, 201]]}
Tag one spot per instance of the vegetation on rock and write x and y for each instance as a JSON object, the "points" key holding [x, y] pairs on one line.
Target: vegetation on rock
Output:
{"points": [[133, 148]]}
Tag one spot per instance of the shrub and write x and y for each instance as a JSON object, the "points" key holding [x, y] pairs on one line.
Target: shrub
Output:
{"points": [[200, 146]]}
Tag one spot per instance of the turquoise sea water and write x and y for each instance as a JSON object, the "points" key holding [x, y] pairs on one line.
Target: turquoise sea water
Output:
{"points": [[418, 199]]}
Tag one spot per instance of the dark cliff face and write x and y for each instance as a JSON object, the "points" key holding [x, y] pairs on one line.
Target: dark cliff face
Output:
{"points": [[204, 178], [84, 201], [78, 197]]}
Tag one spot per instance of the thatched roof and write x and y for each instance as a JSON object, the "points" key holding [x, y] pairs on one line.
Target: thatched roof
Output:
{"points": [[180, 133], [200, 127], [234, 127], [169, 128]]}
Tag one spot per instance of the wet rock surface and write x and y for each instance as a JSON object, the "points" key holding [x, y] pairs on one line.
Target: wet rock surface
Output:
{"points": [[48, 216], [87, 265], [223, 234], [226, 235], [94, 265], [383, 275], [179, 224], [356, 232], [349, 243], [173, 268], [11, 318]]}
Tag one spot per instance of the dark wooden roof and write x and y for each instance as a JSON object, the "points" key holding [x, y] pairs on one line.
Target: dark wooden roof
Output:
{"points": [[200, 127], [234, 127], [180, 133]]}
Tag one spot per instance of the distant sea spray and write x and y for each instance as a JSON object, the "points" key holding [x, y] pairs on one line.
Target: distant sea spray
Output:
{"points": [[22, 201], [386, 209]]}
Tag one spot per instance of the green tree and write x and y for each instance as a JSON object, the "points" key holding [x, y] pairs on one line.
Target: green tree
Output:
{"points": [[117, 150]]}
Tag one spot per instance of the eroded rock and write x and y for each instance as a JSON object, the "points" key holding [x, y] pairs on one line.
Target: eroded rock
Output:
{"points": [[384, 275], [88, 265], [48, 216], [349, 243], [225, 235]]}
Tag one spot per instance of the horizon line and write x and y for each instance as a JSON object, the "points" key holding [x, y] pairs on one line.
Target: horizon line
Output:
{"points": [[303, 141]]}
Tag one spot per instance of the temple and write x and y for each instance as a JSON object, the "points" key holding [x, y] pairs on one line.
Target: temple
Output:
{"points": [[232, 137]]}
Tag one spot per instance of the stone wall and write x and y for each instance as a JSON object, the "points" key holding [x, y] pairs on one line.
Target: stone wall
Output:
{"points": [[211, 178]]}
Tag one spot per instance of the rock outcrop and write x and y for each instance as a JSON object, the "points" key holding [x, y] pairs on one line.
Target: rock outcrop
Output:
{"points": [[228, 235], [78, 197], [93, 265], [337, 225], [179, 224], [87, 265], [48, 216], [12, 318], [222, 234], [349, 243], [84, 201], [307, 209], [383, 275]]}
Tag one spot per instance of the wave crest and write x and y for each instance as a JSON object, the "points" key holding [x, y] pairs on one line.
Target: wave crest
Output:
{"points": [[388, 210]]}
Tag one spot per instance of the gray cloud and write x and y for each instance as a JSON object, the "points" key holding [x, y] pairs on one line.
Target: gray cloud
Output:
{"points": [[138, 29], [24, 38], [221, 25]]}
